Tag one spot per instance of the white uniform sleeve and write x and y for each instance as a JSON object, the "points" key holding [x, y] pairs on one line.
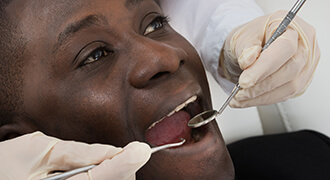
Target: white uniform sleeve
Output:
{"points": [[206, 24]]}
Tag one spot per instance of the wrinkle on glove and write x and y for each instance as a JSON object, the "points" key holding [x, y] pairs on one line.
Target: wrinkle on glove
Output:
{"points": [[37, 156], [283, 70]]}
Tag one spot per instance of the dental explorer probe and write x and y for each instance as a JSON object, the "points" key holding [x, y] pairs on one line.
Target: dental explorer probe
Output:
{"points": [[208, 116], [71, 173]]}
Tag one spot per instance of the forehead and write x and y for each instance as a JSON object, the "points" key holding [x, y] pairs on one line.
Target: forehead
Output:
{"points": [[63, 8], [47, 19]]}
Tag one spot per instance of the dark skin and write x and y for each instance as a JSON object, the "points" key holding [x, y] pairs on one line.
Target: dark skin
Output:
{"points": [[118, 69]]}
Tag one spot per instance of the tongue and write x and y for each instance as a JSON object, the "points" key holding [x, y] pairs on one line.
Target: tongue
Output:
{"points": [[170, 129]]}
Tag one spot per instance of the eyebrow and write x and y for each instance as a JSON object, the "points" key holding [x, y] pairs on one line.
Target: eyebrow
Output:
{"points": [[77, 26], [132, 2], [85, 23]]}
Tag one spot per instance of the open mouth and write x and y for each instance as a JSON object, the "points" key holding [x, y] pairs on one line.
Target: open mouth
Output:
{"points": [[174, 126]]}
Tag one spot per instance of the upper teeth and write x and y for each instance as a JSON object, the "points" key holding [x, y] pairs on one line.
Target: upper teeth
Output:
{"points": [[177, 109], [183, 105]]}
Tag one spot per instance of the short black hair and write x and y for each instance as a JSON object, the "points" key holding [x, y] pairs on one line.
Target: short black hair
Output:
{"points": [[11, 50]]}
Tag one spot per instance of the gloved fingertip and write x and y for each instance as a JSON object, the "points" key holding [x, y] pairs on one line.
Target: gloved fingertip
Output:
{"points": [[138, 145], [249, 56], [245, 80], [239, 104], [234, 104], [140, 149], [125, 164], [240, 96]]}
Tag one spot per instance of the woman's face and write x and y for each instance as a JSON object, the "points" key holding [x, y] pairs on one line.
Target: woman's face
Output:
{"points": [[104, 71]]}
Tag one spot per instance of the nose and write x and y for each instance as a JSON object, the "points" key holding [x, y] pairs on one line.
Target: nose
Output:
{"points": [[154, 61]]}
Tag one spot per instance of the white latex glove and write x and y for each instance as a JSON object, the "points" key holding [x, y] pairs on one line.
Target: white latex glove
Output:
{"points": [[35, 155], [282, 71]]}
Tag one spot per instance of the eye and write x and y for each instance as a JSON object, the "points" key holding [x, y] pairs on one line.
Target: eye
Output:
{"points": [[96, 55], [156, 24]]}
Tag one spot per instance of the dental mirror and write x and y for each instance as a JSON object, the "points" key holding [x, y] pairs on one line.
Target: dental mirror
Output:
{"points": [[208, 116]]}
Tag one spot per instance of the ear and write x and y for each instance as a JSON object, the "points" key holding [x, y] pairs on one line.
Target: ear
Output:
{"points": [[16, 127]]}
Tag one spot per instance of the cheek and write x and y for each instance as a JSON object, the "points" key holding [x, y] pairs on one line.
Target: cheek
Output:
{"points": [[88, 113], [196, 68], [99, 112], [196, 65], [194, 62]]}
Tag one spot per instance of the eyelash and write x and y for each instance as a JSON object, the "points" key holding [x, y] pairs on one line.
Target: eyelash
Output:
{"points": [[161, 20], [96, 55]]}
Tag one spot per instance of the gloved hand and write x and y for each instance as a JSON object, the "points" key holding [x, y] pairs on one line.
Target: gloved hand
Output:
{"points": [[282, 71], [35, 155]]}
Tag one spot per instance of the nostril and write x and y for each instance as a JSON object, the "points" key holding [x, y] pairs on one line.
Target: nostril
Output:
{"points": [[159, 69], [181, 62], [164, 73], [159, 75]]}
